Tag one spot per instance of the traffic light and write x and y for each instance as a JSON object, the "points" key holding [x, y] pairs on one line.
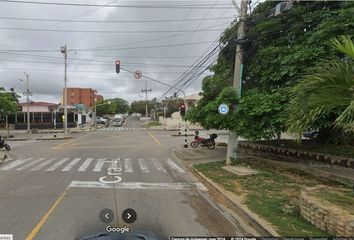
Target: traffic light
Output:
{"points": [[117, 66], [182, 110]]}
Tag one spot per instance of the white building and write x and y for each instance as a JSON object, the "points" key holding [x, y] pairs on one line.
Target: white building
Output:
{"points": [[39, 107]]}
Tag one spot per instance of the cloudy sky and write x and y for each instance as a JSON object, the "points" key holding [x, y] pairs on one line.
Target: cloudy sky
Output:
{"points": [[163, 42]]}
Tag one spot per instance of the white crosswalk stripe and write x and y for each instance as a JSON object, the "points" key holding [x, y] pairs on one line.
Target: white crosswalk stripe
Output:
{"points": [[82, 165], [43, 164], [30, 164], [71, 164], [15, 164], [57, 164], [85, 165], [99, 165], [128, 167], [120, 129], [143, 166]]}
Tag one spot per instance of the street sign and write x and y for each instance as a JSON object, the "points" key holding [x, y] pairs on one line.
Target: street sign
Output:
{"points": [[223, 109], [137, 74]]}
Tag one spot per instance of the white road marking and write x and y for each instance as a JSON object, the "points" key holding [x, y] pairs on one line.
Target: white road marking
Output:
{"points": [[43, 164], [30, 164], [143, 166], [85, 165], [158, 165], [128, 167], [15, 164], [99, 165], [138, 185], [175, 166], [57, 164], [71, 164], [116, 164]]}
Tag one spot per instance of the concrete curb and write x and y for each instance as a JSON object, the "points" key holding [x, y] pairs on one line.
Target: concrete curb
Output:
{"points": [[54, 138], [182, 135], [254, 220], [17, 139]]}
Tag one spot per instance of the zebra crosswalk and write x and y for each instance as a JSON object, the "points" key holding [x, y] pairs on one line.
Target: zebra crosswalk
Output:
{"points": [[120, 129], [89, 164]]}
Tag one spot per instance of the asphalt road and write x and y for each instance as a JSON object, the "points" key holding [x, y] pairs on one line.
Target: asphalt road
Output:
{"points": [[56, 189]]}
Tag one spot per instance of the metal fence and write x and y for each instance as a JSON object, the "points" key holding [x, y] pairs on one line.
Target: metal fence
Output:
{"points": [[40, 120]]}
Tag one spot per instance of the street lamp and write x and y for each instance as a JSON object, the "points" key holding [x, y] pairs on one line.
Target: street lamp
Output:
{"points": [[27, 93], [63, 50]]}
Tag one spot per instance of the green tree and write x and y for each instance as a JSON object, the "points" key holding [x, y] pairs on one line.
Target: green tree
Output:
{"points": [[8, 102], [279, 52], [117, 105], [139, 106], [324, 99], [171, 104]]}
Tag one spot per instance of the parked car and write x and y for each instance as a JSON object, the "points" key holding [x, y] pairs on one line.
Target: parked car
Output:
{"points": [[101, 120], [119, 116], [117, 122], [311, 133]]}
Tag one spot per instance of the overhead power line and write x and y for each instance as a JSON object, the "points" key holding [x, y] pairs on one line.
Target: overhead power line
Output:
{"points": [[170, 6], [105, 56], [112, 21], [107, 31], [102, 63], [103, 49]]}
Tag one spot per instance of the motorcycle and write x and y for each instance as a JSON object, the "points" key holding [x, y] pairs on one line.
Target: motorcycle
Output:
{"points": [[3, 144], [204, 142]]}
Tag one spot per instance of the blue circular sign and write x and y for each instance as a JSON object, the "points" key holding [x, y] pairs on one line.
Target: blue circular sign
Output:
{"points": [[223, 109]]}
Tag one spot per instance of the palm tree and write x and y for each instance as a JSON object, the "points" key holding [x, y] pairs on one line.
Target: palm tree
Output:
{"points": [[325, 97]]}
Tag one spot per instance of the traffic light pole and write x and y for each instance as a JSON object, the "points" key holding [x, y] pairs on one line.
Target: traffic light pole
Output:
{"points": [[64, 51]]}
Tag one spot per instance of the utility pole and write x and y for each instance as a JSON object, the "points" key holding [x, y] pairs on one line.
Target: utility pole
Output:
{"points": [[27, 93], [237, 82], [146, 96], [64, 51]]}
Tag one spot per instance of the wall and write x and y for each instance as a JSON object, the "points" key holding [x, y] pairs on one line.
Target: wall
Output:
{"points": [[36, 109], [329, 219], [293, 155]]}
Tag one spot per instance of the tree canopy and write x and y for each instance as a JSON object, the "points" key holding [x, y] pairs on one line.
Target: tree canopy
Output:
{"points": [[117, 105], [8, 102], [279, 52]]}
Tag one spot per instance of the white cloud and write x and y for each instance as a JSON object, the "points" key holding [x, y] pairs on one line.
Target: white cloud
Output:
{"points": [[46, 69]]}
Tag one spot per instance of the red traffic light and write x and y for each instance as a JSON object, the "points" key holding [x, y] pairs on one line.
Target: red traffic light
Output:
{"points": [[117, 66], [182, 110]]}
